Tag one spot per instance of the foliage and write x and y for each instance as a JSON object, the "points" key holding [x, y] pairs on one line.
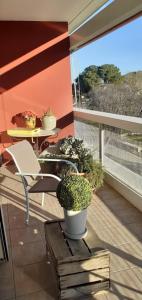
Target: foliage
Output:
{"points": [[48, 113], [28, 115], [73, 149], [96, 175], [96, 75], [88, 78], [109, 73], [124, 98], [74, 192], [77, 153]]}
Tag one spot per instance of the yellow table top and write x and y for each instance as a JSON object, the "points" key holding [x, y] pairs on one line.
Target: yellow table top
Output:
{"points": [[26, 132]]}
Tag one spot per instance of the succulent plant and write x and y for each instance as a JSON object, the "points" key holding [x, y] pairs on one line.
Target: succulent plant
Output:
{"points": [[49, 112]]}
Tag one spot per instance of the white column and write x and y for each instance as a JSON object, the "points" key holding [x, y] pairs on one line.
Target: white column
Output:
{"points": [[101, 143]]}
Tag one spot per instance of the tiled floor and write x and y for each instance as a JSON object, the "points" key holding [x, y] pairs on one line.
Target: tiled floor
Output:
{"points": [[29, 274]]}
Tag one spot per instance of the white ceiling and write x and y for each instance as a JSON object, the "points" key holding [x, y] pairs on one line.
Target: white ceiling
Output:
{"points": [[72, 11]]}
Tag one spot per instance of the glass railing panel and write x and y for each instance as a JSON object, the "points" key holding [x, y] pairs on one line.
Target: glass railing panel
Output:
{"points": [[89, 133], [123, 156], [122, 151]]}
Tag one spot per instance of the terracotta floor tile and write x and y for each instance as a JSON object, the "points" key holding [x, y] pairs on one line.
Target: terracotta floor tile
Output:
{"points": [[41, 295], [25, 235], [136, 228], [125, 284], [117, 263], [15, 209], [33, 278], [17, 221], [115, 220], [29, 253], [7, 289]]}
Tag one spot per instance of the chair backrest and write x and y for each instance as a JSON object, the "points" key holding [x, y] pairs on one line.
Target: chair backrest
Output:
{"points": [[24, 157]]}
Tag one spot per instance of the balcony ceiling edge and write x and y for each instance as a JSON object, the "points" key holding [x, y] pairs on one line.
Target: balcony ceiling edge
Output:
{"points": [[114, 15]]}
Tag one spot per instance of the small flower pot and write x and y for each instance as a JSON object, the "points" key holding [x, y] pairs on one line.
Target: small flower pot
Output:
{"points": [[49, 122], [30, 123]]}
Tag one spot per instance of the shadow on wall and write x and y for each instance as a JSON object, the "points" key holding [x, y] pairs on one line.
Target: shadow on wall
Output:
{"points": [[36, 48], [42, 32], [34, 65]]}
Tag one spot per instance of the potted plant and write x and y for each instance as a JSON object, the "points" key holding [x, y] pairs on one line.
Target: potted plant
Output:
{"points": [[76, 151], [73, 149], [29, 119], [80, 155], [48, 120], [74, 194]]}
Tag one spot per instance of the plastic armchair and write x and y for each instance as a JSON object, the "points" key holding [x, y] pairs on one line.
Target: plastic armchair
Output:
{"points": [[29, 169]]}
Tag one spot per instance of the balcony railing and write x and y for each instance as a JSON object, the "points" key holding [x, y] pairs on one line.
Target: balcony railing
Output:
{"points": [[117, 141]]}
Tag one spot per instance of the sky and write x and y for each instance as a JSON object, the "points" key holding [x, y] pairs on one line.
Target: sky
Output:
{"points": [[122, 47]]}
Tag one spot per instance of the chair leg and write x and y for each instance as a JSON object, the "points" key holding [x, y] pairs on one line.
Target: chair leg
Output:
{"points": [[27, 199], [42, 199], [27, 205]]}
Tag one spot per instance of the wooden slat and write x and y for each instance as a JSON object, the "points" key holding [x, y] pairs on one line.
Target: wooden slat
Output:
{"points": [[78, 247], [83, 278], [89, 264], [54, 221], [56, 241], [81, 292], [92, 239], [82, 257]]}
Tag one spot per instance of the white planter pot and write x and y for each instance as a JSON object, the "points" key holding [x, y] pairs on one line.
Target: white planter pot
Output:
{"points": [[75, 224], [49, 122]]}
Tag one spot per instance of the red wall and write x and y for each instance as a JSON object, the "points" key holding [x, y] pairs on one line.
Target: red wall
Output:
{"points": [[35, 68]]}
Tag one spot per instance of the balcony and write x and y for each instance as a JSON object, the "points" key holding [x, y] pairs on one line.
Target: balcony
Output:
{"points": [[39, 58], [29, 274]]}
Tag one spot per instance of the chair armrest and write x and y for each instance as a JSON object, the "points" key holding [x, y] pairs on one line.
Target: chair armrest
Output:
{"points": [[60, 160], [38, 175]]}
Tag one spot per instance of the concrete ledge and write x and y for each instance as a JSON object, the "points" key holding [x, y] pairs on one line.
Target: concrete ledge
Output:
{"points": [[124, 190]]}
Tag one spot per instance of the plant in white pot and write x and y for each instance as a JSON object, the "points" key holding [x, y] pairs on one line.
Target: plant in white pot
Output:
{"points": [[48, 120], [74, 193]]}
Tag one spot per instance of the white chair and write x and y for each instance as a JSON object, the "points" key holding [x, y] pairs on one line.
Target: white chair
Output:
{"points": [[29, 169]]}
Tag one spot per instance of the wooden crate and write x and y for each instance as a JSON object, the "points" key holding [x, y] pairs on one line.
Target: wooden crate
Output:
{"points": [[82, 266]]}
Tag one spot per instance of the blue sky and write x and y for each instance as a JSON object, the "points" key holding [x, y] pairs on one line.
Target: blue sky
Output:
{"points": [[122, 47]]}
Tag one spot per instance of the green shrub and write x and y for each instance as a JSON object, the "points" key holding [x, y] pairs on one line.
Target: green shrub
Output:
{"points": [[96, 175], [73, 149], [74, 192], [77, 153]]}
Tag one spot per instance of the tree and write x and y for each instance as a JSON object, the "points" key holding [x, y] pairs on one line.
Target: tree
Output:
{"points": [[88, 79], [121, 99], [109, 73], [93, 76]]}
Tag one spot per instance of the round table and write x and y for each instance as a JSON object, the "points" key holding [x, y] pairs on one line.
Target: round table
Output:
{"points": [[17, 133]]}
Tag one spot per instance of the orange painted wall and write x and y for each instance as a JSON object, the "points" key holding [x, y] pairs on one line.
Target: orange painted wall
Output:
{"points": [[35, 73]]}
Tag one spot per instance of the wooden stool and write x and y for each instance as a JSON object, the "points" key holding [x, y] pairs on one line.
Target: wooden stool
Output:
{"points": [[81, 269]]}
